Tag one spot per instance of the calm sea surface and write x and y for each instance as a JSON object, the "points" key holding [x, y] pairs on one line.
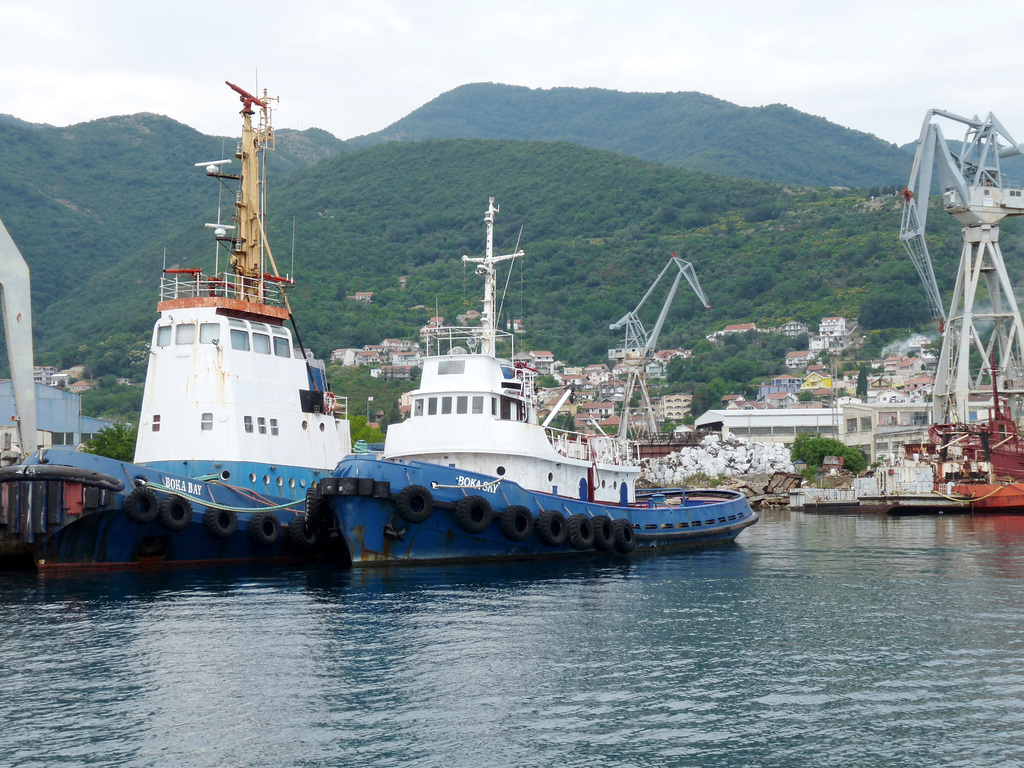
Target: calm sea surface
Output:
{"points": [[814, 641]]}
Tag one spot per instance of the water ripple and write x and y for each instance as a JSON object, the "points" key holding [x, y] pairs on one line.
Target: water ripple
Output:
{"points": [[814, 642]]}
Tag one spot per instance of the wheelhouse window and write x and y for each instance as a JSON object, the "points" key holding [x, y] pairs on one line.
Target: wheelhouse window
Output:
{"points": [[446, 405], [432, 406], [478, 403], [163, 336], [462, 404], [185, 333], [239, 340], [273, 426], [281, 347], [206, 423], [261, 425], [494, 406], [209, 333], [248, 423], [261, 343], [156, 422], [417, 409], [447, 367]]}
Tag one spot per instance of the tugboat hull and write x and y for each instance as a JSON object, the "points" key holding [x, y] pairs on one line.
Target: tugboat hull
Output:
{"points": [[390, 513]]}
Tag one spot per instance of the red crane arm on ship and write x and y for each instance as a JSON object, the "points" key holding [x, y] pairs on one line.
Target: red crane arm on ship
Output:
{"points": [[277, 279], [188, 271], [245, 97]]}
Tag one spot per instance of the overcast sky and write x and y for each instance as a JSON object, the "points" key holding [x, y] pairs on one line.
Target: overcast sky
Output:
{"points": [[354, 66]]}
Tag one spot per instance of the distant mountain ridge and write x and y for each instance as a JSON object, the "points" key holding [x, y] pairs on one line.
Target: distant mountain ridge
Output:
{"points": [[690, 130]]}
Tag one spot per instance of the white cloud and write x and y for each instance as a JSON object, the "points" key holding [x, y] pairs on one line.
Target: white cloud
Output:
{"points": [[354, 66]]}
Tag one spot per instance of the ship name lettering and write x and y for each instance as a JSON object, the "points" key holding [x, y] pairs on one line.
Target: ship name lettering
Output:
{"points": [[185, 486], [472, 482]]}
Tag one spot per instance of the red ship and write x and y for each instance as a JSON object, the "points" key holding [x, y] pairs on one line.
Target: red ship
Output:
{"points": [[983, 460]]}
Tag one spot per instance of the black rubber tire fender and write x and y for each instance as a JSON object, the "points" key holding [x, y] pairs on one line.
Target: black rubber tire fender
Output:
{"points": [[220, 523], [516, 523], [414, 504], [625, 539], [580, 532], [604, 533], [551, 528], [300, 535], [314, 508], [264, 528], [174, 512], [473, 514], [141, 505]]}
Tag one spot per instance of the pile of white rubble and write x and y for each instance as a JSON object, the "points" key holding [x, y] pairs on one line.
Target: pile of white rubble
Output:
{"points": [[717, 455]]}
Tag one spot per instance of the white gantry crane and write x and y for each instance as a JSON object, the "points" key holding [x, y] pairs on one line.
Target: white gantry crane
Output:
{"points": [[983, 316], [639, 347]]}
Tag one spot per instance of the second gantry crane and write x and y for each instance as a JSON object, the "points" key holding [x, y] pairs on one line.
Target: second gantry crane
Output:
{"points": [[639, 347], [983, 316]]}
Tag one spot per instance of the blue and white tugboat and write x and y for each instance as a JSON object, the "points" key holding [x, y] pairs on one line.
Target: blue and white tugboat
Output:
{"points": [[474, 475], [237, 423]]}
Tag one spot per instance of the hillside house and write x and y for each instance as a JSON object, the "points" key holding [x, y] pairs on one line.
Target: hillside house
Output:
{"points": [[411, 358], [919, 386], [816, 380], [396, 372], [736, 328], [43, 374], [673, 407], [542, 360], [363, 296], [346, 357], [779, 399], [793, 328], [799, 359], [779, 384], [613, 389]]}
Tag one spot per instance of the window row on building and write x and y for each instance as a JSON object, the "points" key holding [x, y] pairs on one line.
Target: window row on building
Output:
{"points": [[245, 337]]}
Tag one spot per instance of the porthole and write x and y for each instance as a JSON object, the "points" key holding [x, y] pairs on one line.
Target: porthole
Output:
{"points": [[266, 479], [291, 482], [321, 426], [302, 483], [252, 477], [280, 483], [305, 425], [602, 483], [225, 475], [551, 476], [500, 471]]}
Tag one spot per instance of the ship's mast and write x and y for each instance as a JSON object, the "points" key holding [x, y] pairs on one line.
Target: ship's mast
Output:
{"points": [[485, 267], [250, 246]]}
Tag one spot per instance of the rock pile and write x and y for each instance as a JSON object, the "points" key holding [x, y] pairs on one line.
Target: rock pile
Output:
{"points": [[716, 456]]}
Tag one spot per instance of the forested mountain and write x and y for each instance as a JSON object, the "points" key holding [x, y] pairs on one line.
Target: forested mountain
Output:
{"points": [[690, 130], [98, 209]]}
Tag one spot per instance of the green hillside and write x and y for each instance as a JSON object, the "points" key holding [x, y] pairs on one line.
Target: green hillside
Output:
{"points": [[690, 130], [597, 227]]}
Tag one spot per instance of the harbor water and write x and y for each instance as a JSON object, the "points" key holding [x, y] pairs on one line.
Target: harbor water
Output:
{"points": [[812, 641]]}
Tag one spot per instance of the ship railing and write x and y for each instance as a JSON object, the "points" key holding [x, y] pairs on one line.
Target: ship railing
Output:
{"points": [[192, 283], [340, 407], [572, 445], [443, 339], [601, 449]]}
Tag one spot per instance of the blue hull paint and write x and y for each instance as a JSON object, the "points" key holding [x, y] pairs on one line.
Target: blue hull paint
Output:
{"points": [[366, 516], [68, 534]]}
